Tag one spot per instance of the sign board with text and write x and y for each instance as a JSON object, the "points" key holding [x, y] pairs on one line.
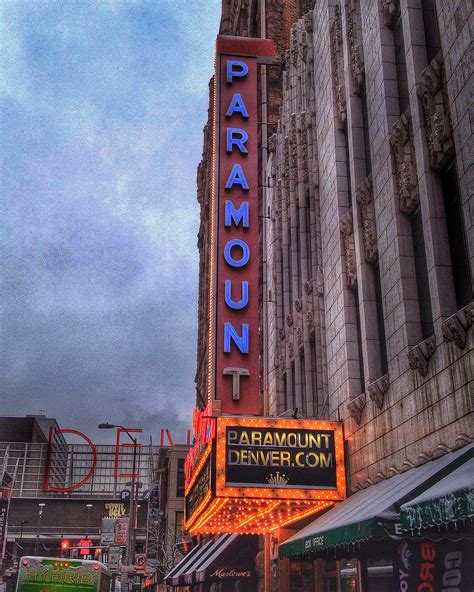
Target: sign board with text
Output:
{"points": [[114, 558], [260, 473]]}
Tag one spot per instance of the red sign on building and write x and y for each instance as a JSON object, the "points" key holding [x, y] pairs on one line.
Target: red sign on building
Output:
{"points": [[234, 318]]}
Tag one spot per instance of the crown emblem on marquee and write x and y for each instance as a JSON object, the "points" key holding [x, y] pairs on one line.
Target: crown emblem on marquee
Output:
{"points": [[277, 479]]}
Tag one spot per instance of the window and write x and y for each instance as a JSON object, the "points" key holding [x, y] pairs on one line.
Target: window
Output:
{"points": [[457, 235], [180, 479], [380, 319], [430, 20], [421, 270], [365, 123], [359, 339], [400, 62]]}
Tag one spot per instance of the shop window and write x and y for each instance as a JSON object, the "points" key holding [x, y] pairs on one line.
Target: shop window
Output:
{"points": [[302, 576], [457, 235], [180, 479], [421, 270]]}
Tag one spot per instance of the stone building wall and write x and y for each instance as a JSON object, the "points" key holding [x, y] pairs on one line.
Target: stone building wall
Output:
{"points": [[373, 116]]}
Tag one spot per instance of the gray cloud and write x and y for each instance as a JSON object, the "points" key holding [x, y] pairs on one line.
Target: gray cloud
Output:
{"points": [[102, 108]]}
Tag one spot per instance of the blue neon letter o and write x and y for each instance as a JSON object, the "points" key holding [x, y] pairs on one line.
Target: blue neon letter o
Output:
{"points": [[245, 253]]}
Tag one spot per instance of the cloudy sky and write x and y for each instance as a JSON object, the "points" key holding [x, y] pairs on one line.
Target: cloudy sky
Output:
{"points": [[102, 108]]}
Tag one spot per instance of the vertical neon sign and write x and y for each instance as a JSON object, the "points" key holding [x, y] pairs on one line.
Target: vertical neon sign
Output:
{"points": [[234, 228]]}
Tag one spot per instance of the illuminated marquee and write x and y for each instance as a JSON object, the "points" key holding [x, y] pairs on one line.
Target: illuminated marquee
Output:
{"points": [[265, 473]]}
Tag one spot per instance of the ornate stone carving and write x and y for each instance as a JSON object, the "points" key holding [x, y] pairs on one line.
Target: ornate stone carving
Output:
{"points": [[282, 362], [355, 43], [293, 44], [405, 170], [308, 21], [346, 228], [298, 305], [356, 407], [364, 196], [425, 456], [299, 335], [309, 319], [377, 390], [338, 67], [456, 326], [289, 320], [308, 287], [281, 334], [419, 356], [272, 142], [291, 349], [390, 8], [439, 133]]}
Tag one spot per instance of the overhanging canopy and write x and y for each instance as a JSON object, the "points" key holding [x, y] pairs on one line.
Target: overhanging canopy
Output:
{"points": [[234, 558], [173, 578], [371, 513], [448, 501], [228, 557]]}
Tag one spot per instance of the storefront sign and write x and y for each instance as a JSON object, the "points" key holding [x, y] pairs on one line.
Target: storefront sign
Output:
{"points": [[114, 558], [115, 510], [199, 489], [107, 532], [276, 457], [3, 523], [222, 574], [260, 473], [121, 530], [427, 566]]}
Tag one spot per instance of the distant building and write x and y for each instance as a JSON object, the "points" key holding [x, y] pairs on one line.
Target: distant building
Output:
{"points": [[41, 518]]}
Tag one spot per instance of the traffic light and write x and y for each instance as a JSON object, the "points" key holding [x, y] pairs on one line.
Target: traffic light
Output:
{"points": [[65, 544]]}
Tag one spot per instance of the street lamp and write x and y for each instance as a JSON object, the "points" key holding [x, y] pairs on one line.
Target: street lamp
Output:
{"points": [[130, 551], [41, 507], [89, 507], [22, 524]]}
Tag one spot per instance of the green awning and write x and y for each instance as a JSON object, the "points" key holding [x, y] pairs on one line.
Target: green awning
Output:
{"points": [[449, 501], [372, 513]]}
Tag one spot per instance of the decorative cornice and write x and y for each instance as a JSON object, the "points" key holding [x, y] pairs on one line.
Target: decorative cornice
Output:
{"points": [[408, 464], [308, 21], [377, 389], [364, 196], [355, 43], [272, 142], [346, 228], [456, 326], [439, 133], [419, 356], [405, 169], [356, 407], [335, 35]]}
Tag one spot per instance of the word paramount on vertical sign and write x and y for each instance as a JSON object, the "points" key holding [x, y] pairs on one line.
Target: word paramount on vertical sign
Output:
{"points": [[235, 211]]}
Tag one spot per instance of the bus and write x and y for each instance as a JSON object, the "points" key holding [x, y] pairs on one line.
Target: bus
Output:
{"points": [[48, 574]]}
